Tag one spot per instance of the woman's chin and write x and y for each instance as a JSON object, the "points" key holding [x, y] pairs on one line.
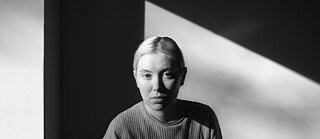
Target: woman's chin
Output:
{"points": [[157, 106]]}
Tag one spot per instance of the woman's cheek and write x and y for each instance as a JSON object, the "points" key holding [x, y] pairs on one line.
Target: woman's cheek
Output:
{"points": [[145, 87], [143, 93], [169, 84]]}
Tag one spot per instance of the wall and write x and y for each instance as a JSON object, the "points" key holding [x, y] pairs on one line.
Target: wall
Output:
{"points": [[253, 96], [98, 42], [21, 69]]}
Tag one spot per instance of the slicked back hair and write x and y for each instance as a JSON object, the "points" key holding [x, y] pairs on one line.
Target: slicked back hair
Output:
{"points": [[157, 44]]}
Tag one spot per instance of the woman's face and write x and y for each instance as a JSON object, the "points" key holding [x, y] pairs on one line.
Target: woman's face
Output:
{"points": [[158, 78]]}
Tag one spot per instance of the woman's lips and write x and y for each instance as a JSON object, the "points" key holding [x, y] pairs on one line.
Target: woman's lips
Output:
{"points": [[159, 98]]}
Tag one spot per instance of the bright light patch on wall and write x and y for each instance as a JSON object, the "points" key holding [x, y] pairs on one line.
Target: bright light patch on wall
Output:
{"points": [[254, 97], [21, 69]]}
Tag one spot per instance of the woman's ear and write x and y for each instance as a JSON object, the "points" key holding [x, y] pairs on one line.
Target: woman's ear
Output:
{"points": [[134, 74], [135, 77], [183, 75]]}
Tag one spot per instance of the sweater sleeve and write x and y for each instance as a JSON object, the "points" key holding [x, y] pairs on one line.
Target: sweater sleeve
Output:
{"points": [[112, 132]]}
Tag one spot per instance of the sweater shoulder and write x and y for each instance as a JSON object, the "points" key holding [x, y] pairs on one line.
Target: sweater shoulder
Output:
{"points": [[128, 114], [196, 108], [201, 113], [204, 116], [120, 125]]}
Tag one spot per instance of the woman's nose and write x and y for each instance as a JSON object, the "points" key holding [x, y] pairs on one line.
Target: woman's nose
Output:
{"points": [[157, 84]]}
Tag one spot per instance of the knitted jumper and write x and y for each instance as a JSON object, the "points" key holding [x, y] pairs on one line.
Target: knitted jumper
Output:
{"points": [[198, 122]]}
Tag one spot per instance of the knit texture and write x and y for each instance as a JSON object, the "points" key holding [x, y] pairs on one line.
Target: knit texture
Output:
{"points": [[198, 122]]}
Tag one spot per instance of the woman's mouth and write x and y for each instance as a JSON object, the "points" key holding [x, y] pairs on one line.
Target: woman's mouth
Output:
{"points": [[159, 98]]}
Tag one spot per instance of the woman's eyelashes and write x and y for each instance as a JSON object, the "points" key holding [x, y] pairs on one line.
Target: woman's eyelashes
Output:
{"points": [[147, 76], [168, 75]]}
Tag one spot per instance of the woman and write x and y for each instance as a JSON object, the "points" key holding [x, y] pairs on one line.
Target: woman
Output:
{"points": [[159, 71]]}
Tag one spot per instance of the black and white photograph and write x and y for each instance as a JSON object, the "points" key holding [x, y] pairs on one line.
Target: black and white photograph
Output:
{"points": [[159, 69]]}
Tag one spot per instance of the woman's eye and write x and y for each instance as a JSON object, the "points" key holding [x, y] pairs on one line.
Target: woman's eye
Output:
{"points": [[146, 76], [168, 75]]}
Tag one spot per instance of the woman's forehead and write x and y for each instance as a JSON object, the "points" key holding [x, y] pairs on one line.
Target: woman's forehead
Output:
{"points": [[157, 61]]}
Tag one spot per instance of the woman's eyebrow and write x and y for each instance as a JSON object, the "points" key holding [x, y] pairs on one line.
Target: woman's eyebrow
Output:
{"points": [[171, 68], [144, 70]]}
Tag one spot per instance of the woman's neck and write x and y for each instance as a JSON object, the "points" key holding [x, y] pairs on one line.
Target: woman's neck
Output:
{"points": [[171, 114]]}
